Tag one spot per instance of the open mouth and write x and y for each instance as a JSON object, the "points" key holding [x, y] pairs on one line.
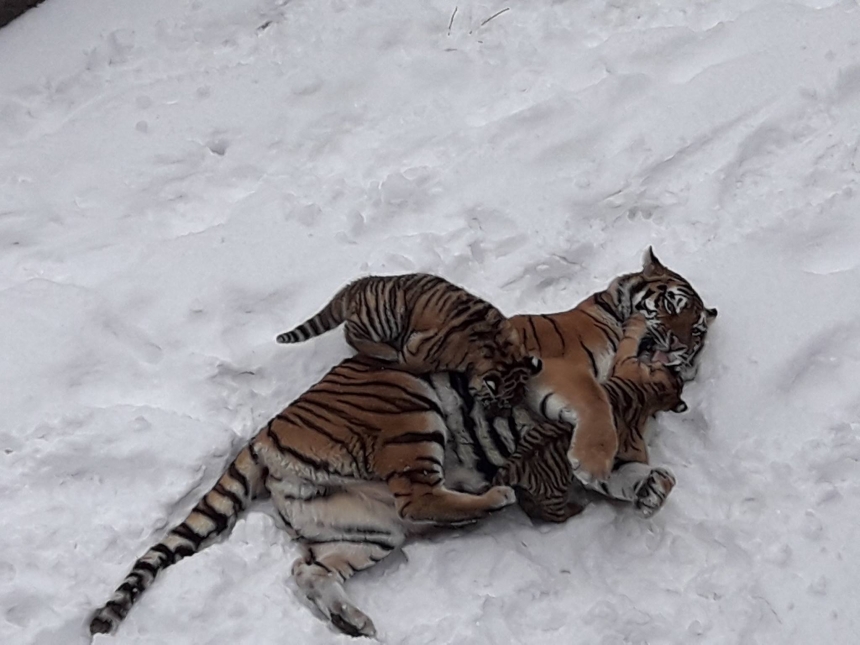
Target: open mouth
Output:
{"points": [[651, 351], [660, 356]]}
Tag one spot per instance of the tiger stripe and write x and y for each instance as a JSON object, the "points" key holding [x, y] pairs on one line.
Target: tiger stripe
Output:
{"points": [[212, 516], [539, 469], [429, 325]]}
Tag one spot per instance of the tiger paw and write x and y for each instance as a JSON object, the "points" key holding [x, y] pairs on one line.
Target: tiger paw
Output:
{"points": [[653, 491], [592, 465], [503, 476], [589, 475], [500, 496]]}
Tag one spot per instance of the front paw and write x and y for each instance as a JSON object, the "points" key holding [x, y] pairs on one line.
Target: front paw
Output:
{"points": [[500, 496], [590, 469], [593, 462], [653, 491]]}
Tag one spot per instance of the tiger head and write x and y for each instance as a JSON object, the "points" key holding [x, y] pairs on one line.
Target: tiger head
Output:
{"points": [[677, 317], [504, 386], [500, 380]]}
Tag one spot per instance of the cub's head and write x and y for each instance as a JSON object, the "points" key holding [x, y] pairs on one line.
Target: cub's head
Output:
{"points": [[501, 385], [500, 380], [676, 315]]}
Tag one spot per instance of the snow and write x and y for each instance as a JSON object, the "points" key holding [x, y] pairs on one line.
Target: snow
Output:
{"points": [[181, 180]]}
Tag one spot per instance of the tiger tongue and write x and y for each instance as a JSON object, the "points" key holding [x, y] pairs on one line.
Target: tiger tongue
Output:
{"points": [[660, 357]]}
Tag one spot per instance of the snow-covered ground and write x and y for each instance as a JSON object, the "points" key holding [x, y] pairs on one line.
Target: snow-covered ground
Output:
{"points": [[182, 179]]}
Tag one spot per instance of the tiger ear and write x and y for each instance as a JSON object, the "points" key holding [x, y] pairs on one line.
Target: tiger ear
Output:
{"points": [[535, 364], [650, 264], [680, 406], [711, 313]]}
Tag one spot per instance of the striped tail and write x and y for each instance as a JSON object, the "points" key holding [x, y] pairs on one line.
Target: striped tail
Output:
{"points": [[332, 315], [213, 515]]}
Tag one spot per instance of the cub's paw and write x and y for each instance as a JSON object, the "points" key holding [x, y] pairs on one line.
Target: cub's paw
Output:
{"points": [[653, 491], [501, 475], [500, 496]]}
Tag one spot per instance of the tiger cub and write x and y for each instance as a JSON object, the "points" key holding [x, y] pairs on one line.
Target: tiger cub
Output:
{"points": [[426, 324], [581, 344], [638, 387]]}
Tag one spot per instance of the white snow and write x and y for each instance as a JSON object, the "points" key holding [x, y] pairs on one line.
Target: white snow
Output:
{"points": [[180, 180]]}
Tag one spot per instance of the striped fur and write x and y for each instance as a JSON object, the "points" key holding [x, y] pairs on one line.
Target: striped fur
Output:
{"points": [[373, 453], [428, 325], [636, 389], [578, 347], [367, 456], [211, 517]]}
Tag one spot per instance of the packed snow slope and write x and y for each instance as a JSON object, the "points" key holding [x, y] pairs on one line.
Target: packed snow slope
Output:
{"points": [[180, 180]]}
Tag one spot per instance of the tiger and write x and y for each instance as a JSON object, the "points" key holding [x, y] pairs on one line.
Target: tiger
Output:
{"points": [[369, 455], [638, 386], [577, 348], [427, 324]]}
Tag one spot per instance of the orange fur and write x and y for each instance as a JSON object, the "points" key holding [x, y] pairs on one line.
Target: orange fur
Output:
{"points": [[539, 469], [426, 324], [352, 466], [578, 346]]}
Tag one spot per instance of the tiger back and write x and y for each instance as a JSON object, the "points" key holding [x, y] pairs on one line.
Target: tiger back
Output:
{"points": [[427, 324]]}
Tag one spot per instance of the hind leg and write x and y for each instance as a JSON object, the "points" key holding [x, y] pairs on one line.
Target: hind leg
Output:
{"points": [[363, 344], [341, 533], [410, 460], [321, 574], [421, 501]]}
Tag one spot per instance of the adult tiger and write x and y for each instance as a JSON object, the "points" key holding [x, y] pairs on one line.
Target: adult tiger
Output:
{"points": [[426, 324], [353, 466], [578, 347], [638, 386]]}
